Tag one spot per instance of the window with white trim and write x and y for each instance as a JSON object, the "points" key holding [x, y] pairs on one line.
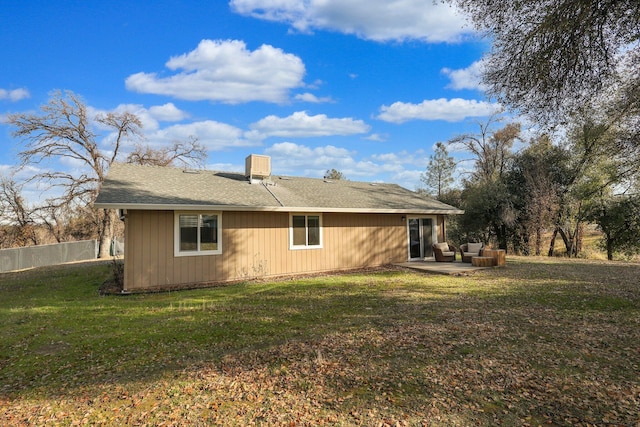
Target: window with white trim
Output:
{"points": [[305, 231], [198, 233]]}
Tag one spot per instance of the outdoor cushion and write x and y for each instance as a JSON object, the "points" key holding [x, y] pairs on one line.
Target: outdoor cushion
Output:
{"points": [[448, 253], [443, 246], [474, 247]]}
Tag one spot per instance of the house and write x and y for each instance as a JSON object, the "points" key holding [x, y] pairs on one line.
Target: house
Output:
{"points": [[188, 227]]}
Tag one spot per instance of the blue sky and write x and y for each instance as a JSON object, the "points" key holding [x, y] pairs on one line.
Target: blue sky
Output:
{"points": [[364, 86]]}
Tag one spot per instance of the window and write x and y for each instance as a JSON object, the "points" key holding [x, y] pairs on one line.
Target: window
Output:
{"points": [[198, 233], [306, 231]]}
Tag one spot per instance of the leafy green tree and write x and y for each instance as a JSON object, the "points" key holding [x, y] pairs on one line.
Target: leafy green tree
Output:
{"points": [[537, 180], [439, 174], [619, 219], [488, 212]]}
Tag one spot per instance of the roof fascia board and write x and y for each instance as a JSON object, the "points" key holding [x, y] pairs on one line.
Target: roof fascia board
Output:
{"points": [[172, 207]]}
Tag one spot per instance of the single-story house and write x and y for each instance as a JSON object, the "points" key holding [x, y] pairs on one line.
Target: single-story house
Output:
{"points": [[189, 227]]}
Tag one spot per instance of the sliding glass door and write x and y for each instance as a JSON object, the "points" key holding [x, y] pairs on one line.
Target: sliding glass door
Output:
{"points": [[421, 237]]}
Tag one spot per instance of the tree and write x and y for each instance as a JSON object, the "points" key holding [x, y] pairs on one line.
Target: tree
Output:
{"points": [[63, 132], [334, 175], [187, 154], [600, 160], [439, 174], [486, 200], [16, 216], [619, 219], [549, 57], [536, 180], [488, 212], [491, 148]]}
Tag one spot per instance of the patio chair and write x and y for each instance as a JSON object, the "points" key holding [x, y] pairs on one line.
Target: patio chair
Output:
{"points": [[444, 252], [469, 250]]}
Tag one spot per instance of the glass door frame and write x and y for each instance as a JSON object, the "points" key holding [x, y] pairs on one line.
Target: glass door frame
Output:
{"points": [[434, 234]]}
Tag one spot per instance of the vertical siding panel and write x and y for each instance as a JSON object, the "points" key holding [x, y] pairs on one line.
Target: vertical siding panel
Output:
{"points": [[139, 275], [263, 240], [361, 248], [353, 241], [250, 237], [146, 233], [244, 231], [340, 238], [282, 251], [169, 256], [198, 269], [161, 248], [128, 253], [232, 254], [271, 233], [151, 239], [192, 269]]}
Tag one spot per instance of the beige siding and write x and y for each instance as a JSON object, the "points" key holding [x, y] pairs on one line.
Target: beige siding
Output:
{"points": [[441, 228], [256, 244]]}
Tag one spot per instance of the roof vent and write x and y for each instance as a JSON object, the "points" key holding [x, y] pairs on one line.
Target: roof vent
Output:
{"points": [[257, 167]]}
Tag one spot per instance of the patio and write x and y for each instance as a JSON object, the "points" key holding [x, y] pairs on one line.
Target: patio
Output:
{"points": [[453, 268]]}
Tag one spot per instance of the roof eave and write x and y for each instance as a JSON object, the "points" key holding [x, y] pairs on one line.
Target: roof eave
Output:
{"points": [[235, 208]]}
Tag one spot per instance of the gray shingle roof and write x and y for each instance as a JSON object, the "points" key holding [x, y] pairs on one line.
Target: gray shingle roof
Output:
{"points": [[149, 187]]}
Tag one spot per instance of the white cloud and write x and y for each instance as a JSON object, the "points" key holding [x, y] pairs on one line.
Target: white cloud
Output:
{"points": [[167, 113], [14, 95], [403, 168], [380, 20], [300, 124], [309, 97], [377, 137], [215, 136], [225, 167], [450, 110], [226, 71], [292, 159], [466, 78]]}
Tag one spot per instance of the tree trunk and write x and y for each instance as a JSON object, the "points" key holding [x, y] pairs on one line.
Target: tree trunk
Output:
{"points": [[568, 241], [552, 244], [538, 238], [106, 233]]}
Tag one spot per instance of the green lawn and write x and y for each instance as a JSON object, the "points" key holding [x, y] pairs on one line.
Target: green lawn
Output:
{"points": [[540, 342]]}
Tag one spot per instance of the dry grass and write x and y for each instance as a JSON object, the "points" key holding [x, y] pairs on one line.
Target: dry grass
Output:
{"points": [[541, 342]]}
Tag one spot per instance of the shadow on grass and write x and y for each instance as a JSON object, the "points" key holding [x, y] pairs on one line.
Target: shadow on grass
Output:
{"points": [[543, 341]]}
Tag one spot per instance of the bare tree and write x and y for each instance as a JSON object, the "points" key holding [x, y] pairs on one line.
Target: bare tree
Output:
{"points": [[16, 216], [63, 131], [187, 154], [491, 148]]}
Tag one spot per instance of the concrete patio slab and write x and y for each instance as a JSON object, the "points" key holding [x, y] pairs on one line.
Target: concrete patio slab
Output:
{"points": [[451, 268]]}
